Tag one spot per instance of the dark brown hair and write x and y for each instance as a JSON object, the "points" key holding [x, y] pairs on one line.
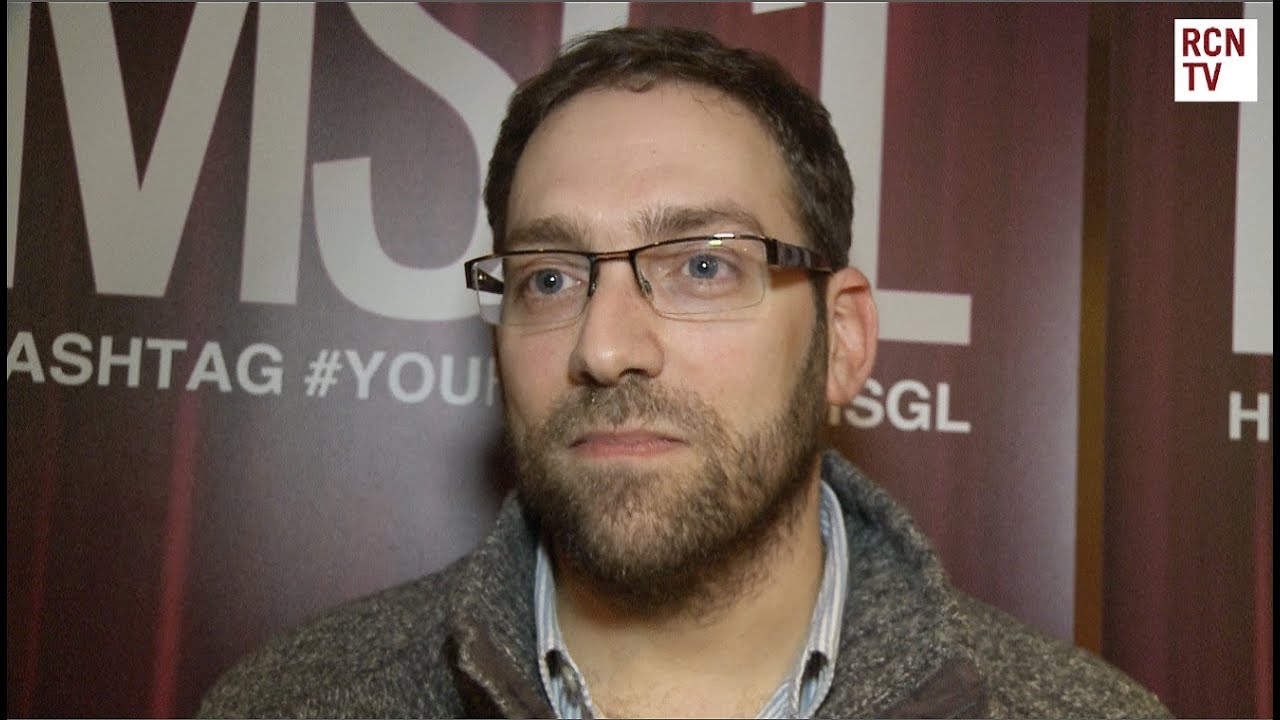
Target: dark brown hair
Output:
{"points": [[638, 59]]}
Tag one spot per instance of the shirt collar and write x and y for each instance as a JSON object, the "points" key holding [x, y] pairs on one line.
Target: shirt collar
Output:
{"points": [[809, 682]]}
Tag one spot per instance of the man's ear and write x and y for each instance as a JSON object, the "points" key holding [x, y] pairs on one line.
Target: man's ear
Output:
{"points": [[852, 330]]}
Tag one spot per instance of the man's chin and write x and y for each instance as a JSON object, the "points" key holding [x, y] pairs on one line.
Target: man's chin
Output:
{"points": [[625, 490], [625, 560], [621, 511]]}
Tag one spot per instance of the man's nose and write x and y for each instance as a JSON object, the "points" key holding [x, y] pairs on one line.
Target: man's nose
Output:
{"points": [[617, 335]]}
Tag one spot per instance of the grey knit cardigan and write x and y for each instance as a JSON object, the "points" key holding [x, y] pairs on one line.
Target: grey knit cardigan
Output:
{"points": [[461, 642]]}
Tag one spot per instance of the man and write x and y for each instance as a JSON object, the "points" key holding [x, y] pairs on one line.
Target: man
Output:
{"points": [[672, 316]]}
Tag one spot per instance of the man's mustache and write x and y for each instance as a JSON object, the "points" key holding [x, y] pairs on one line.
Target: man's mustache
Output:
{"points": [[631, 402]]}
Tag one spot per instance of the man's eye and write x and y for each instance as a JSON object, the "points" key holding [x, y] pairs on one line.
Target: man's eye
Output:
{"points": [[547, 282], [703, 267]]}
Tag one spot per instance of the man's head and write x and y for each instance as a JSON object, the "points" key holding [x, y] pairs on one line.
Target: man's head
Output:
{"points": [[660, 450], [637, 59]]}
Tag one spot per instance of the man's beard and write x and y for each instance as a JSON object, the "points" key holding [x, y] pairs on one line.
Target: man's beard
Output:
{"points": [[680, 541]]}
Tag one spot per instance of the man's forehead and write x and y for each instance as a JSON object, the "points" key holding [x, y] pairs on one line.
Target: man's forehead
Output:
{"points": [[687, 109], [614, 167]]}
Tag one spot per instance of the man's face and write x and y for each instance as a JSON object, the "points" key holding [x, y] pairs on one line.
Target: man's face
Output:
{"points": [[654, 450]]}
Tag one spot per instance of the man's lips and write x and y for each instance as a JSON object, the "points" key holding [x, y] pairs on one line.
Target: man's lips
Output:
{"points": [[624, 443]]}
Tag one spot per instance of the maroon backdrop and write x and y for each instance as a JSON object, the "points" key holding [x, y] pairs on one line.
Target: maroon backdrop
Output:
{"points": [[982, 194], [1188, 560]]}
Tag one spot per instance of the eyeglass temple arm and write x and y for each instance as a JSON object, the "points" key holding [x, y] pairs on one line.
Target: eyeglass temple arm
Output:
{"points": [[478, 279], [782, 254]]}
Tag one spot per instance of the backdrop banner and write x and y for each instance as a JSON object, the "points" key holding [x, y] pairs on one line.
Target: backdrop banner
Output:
{"points": [[1189, 496], [246, 382]]}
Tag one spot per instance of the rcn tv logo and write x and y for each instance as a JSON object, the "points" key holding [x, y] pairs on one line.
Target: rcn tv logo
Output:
{"points": [[1215, 60]]}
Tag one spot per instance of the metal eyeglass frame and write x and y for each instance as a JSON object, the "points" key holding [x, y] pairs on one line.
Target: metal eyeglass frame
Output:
{"points": [[777, 254]]}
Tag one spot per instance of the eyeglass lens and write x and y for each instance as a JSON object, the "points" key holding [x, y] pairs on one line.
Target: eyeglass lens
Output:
{"points": [[696, 277]]}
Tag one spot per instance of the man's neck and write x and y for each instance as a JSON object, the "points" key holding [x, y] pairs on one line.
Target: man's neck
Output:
{"points": [[730, 656]]}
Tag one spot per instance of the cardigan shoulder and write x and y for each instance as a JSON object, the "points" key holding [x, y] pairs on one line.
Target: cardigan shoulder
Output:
{"points": [[1032, 675]]}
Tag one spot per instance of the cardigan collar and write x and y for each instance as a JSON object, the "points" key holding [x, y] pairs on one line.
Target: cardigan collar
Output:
{"points": [[902, 651]]}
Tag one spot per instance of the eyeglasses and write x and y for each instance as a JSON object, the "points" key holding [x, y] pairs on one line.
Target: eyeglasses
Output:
{"points": [[687, 278]]}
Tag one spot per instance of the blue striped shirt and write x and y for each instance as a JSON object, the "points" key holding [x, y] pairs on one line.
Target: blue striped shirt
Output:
{"points": [[797, 697]]}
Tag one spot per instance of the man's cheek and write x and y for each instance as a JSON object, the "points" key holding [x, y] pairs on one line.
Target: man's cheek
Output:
{"points": [[524, 369], [529, 402]]}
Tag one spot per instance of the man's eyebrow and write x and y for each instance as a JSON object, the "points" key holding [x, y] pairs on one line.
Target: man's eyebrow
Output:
{"points": [[652, 224], [555, 231], [668, 222]]}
